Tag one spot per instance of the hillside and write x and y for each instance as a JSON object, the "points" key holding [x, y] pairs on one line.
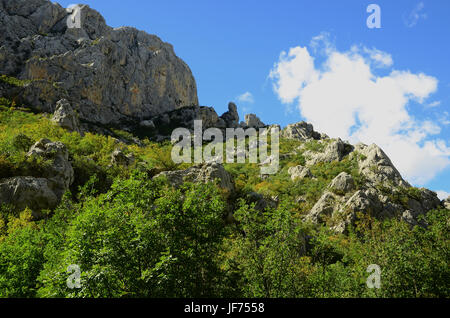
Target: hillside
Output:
{"points": [[87, 179]]}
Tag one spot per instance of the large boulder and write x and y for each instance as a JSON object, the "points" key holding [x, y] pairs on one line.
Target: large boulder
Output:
{"points": [[66, 117], [202, 173], [111, 74], [45, 191], [59, 172], [299, 172], [343, 183], [28, 192]]}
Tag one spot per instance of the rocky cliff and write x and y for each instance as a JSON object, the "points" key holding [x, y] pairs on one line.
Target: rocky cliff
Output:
{"points": [[108, 75]]}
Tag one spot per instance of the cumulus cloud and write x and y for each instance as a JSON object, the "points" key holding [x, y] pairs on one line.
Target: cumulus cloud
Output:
{"points": [[246, 97], [344, 97], [443, 194], [415, 15]]}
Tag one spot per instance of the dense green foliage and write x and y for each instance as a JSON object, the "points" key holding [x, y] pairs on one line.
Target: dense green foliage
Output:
{"points": [[134, 236]]}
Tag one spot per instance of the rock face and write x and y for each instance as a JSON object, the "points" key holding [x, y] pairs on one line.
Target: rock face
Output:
{"points": [[46, 191], [109, 75], [376, 165], [301, 131], [203, 173], [65, 116]]}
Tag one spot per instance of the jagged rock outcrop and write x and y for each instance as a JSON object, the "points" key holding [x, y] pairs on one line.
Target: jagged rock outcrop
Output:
{"points": [[231, 117], [383, 194], [65, 116], [376, 166], [301, 131], [202, 173], [45, 191], [253, 121], [323, 208], [299, 172], [108, 75], [335, 150]]}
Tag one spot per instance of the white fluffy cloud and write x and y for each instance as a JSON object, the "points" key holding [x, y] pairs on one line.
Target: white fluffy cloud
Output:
{"points": [[344, 98], [246, 97]]}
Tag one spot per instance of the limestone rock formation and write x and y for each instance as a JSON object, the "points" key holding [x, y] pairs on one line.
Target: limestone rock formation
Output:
{"points": [[65, 116], [46, 191], [342, 183], [203, 173], [376, 165], [252, 121], [231, 117], [109, 75], [301, 131], [60, 172], [28, 192], [335, 150], [299, 172]]}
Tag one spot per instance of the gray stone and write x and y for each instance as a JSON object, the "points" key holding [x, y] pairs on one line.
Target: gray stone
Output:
{"points": [[59, 173], [147, 124], [231, 117], [323, 208], [299, 172], [342, 183], [335, 150], [376, 166], [202, 173], [66, 117], [119, 158], [300, 131], [28, 192], [252, 121]]}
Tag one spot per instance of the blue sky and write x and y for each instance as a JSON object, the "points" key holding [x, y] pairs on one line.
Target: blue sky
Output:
{"points": [[233, 46]]}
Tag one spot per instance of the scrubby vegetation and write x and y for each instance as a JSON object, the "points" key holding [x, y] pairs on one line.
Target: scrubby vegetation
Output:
{"points": [[134, 236]]}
